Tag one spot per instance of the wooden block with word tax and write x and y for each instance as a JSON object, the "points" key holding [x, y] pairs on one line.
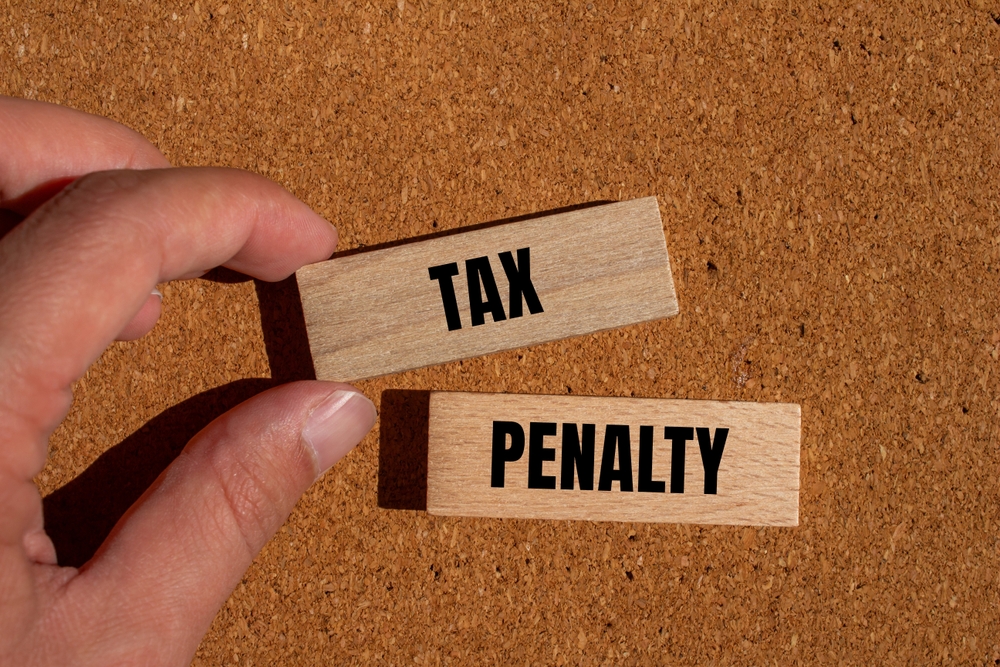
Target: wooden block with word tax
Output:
{"points": [[613, 459], [477, 292]]}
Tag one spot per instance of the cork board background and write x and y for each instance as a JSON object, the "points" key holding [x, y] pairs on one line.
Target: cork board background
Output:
{"points": [[829, 183]]}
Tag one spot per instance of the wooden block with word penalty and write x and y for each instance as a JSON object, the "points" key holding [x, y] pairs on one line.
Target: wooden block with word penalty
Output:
{"points": [[482, 291], [613, 459]]}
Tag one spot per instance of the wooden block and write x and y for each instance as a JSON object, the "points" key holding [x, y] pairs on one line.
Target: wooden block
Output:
{"points": [[613, 459], [533, 281]]}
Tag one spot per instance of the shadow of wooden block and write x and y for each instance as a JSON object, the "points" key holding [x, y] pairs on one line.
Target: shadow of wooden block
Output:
{"points": [[402, 452]]}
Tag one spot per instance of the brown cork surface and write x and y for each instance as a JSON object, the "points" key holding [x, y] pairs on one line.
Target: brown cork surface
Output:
{"points": [[829, 184]]}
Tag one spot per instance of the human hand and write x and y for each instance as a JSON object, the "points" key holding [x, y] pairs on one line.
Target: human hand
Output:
{"points": [[76, 274]]}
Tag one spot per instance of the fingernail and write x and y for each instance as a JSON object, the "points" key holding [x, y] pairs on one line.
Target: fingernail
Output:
{"points": [[337, 425], [157, 293]]}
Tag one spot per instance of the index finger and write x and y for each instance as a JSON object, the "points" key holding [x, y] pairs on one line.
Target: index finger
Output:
{"points": [[84, 263]]}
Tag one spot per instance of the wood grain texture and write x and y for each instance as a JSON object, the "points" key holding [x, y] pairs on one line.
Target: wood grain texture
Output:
{"points": [[379, 312], [758, 473]]}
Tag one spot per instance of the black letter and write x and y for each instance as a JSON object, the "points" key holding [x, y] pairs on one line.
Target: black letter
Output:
{"points": [[711, 456], [519, 277], [480, 268], [582, 453], [646, 482], [679, 436], [616, 434], [538, 453], [500, 454], [444, 274]]}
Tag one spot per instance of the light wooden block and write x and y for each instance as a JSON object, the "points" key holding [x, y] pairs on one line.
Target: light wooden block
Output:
{"points": [[381, 312], [757, 476]]}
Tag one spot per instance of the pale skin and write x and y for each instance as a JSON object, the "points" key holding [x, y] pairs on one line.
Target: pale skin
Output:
{"points": [[99, 219]]}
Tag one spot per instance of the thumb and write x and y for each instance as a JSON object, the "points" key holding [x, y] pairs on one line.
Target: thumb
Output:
{"points": [[175, 557]]}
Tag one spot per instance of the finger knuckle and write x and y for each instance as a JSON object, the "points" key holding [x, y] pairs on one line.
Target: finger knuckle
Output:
{"points": [[93, 203], [254, 502], [99, 187]]}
